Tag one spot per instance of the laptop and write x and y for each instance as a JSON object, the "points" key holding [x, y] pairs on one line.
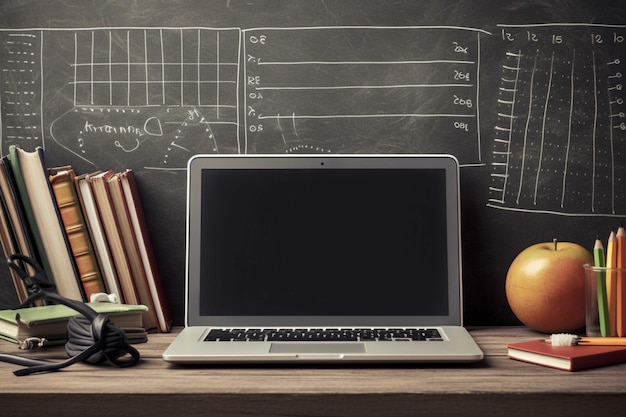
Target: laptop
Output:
{"points": [[323, 259]]}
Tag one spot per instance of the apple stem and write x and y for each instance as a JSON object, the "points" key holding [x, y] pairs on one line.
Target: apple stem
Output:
{"points": [[555, 243]]}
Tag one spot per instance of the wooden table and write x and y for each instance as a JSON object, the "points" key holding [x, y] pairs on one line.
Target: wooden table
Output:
{"points": [[493, 387]]}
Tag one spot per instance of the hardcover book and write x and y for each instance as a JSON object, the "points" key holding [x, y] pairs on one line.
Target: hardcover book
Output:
{"points": [[50, 321], [99, 241], [45, 222], [62, 180], [12, 228], [112, 231], [131, 248], [144, 244], [9, 246], [568, 358]]}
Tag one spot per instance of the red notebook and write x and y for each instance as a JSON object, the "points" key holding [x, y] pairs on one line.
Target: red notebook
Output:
{"points": [[569, 358]]}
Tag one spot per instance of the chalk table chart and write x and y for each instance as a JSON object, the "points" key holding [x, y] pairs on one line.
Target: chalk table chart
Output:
{"points": [[427, 82], [559, 141]]}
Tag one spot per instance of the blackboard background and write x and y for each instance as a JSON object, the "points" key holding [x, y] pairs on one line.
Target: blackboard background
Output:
{"points": [[491, 237]]}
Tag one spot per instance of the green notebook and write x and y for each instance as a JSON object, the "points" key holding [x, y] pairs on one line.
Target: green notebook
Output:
{"points": [[50, 322]]}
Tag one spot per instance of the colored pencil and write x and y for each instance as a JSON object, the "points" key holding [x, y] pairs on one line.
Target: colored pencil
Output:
{"points": [[620, 238], [603, 310], [565, 339], [611, 282], [603, 341]]}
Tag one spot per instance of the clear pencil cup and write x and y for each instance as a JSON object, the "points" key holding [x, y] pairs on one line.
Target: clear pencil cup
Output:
{"points": [[605, 300]]}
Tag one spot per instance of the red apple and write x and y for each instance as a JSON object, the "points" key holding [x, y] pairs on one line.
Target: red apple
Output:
{"points": [[545, 286]]}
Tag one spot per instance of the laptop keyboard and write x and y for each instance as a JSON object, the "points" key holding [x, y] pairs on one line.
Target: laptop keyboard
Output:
{"points": [[324, 335]]}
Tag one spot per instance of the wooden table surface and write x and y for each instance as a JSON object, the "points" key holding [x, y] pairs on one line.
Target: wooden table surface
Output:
{"points": [[495, 386]]}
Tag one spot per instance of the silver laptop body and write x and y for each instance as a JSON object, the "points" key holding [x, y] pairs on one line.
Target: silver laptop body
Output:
{"points": [[323, 258]]}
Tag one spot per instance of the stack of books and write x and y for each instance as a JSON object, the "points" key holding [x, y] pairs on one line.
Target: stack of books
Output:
{"points": [[49, 323], [87, 231]]}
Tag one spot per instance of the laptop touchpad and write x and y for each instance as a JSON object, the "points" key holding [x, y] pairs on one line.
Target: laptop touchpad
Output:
{"points": [[317, 347]]}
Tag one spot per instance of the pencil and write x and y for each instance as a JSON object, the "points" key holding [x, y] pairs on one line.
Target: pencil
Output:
{"points": [[602, 341], [620, 238], [611, 282], [603, 310], [566, 339]]}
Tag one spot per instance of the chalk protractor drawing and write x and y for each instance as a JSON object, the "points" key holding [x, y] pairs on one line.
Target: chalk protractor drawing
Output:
{"points": [[161, 138]]}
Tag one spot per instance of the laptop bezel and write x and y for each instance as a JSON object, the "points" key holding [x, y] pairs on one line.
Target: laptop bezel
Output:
{"points": [[202, 162]]}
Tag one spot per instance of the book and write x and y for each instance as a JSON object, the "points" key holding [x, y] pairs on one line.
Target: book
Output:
{"points": [[113, 235], [44, 221], [15, 211], [62, 180], [131, 248], [142, 235], [50, 321], [98, 238], [568, 358], [8, 243], [17, 236]]}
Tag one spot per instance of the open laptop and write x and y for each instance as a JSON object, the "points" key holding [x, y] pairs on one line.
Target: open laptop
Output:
{"points": [[323, 259]]}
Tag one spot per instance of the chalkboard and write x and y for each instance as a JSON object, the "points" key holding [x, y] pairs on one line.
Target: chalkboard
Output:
{"points": [[528, 95]]}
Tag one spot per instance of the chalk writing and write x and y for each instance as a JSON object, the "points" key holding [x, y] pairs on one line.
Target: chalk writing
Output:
{"points": [[559, 142], [112, 90], [123, 91], [359, 86]]}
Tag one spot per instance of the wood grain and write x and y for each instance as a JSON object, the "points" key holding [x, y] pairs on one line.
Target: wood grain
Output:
{"points": [[495, 386]]}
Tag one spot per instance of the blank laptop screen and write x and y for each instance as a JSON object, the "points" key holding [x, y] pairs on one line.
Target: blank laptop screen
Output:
{"points": [[323, 242]]}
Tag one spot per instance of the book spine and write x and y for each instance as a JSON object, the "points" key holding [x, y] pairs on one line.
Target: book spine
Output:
{"points": [[8, 248], [16, 225], [135, 209], [131, 248], [30, 222], [44, 220], [76, 230], [113, 235], [98, 238]]}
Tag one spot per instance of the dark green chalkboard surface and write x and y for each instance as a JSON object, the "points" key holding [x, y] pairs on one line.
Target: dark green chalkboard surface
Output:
{"points": [[528, 95]]}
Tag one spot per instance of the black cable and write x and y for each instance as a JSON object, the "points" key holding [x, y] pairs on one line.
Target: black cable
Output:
{"points": [[91, 336], [18, 360]]}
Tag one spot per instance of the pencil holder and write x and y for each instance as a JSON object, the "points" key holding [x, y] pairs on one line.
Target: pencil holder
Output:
{"points": [[605, 301]]}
